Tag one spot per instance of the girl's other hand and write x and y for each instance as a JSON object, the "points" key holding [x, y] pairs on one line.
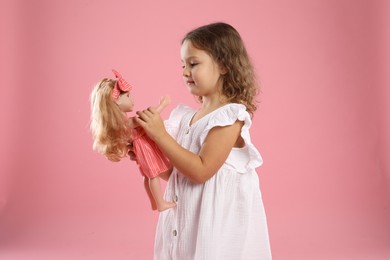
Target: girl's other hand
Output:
{"points": [[131, 152]]}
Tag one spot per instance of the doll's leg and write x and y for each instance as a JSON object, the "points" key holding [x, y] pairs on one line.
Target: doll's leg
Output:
{"points": [[150, 195], [155, 188]]}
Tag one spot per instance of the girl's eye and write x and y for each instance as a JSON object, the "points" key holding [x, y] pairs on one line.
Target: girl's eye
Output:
{"points": [[191, 65]]}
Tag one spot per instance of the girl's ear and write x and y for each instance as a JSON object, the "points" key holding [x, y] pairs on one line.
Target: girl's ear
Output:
{"points": [[222, 69]]}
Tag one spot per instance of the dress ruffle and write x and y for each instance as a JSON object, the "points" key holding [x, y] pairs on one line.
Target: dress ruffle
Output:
{"points": [[250, 157], [172, 124]]}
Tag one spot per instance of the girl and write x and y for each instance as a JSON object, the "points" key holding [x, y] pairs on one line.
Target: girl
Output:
{"points": [[112, 131], [219, 212]]}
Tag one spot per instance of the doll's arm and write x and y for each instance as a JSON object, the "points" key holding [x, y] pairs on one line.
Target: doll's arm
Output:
{"points": [[164, 102]]}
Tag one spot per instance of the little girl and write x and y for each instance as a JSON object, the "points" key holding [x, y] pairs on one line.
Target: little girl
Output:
{"points": [[219, 213], [112, 131]]}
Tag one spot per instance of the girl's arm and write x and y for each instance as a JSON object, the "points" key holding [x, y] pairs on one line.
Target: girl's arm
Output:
{"points": [[197, 167]]}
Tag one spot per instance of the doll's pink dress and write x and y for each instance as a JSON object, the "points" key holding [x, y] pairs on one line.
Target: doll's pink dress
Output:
{"points": [[150, 159]]}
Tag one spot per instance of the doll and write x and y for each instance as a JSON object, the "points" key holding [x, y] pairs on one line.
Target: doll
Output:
{"points": [[112, 132]]}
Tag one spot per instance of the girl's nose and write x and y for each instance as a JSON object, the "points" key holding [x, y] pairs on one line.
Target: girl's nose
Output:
{"points": [[186, 72]]}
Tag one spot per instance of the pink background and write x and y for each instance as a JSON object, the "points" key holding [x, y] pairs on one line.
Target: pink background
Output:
{"points": [[322, 126]]}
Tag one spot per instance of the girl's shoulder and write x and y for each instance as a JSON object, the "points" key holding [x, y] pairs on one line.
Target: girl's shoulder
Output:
{"points": [[230, 113]]}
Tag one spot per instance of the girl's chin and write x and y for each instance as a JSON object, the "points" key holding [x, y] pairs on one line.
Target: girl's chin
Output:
{"points": [[193, 92]]}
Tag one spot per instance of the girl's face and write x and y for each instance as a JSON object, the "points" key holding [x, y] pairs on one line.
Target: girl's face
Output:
{"points": [[125, 102], [201, 73]]}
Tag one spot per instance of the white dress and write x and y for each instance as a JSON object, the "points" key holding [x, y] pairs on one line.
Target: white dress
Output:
{"points": [[223, 218]]}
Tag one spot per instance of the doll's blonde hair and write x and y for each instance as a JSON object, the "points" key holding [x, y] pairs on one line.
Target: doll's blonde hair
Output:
{"points": [[108, 123]]}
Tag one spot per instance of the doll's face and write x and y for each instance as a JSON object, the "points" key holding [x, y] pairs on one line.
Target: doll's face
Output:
{"points": [[125, 102]]}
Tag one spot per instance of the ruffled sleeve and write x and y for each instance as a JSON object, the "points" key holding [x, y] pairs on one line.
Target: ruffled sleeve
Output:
{"points": [[242, 159], [172, 124]]}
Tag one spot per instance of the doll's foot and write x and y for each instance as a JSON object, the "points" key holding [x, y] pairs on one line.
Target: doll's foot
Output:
{"points": [[166, 205]]}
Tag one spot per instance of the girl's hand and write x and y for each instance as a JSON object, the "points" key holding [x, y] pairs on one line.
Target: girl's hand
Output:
{"points": [[131, 152], [150, 120]]}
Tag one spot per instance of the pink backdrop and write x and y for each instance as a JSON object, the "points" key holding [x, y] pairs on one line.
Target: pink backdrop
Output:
{"points": [[322, 126]]}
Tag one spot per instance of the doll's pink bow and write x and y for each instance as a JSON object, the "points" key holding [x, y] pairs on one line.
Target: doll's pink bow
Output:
{"points": [[120, 85]]}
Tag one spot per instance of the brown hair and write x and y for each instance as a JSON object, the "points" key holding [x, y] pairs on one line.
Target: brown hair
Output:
{"points": [[108, 123], [224, 44]]}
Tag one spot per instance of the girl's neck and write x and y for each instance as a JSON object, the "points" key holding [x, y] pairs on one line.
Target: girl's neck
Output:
{"points": [[210, 104]]}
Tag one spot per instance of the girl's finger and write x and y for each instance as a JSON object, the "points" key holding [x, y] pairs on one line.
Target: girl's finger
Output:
{"points": [[132, 156], [148, 113], [142, 115], [140, 121], [153, 110]]}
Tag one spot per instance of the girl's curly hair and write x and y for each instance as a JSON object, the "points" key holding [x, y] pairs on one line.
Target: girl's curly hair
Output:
{"points": [[224, 44]]}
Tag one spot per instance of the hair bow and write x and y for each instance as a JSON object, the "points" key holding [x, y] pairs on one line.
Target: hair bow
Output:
{"points": [[120, 85]]}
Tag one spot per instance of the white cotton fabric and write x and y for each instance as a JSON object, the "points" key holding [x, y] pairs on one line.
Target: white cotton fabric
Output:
{"points": [[223, 218]]}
